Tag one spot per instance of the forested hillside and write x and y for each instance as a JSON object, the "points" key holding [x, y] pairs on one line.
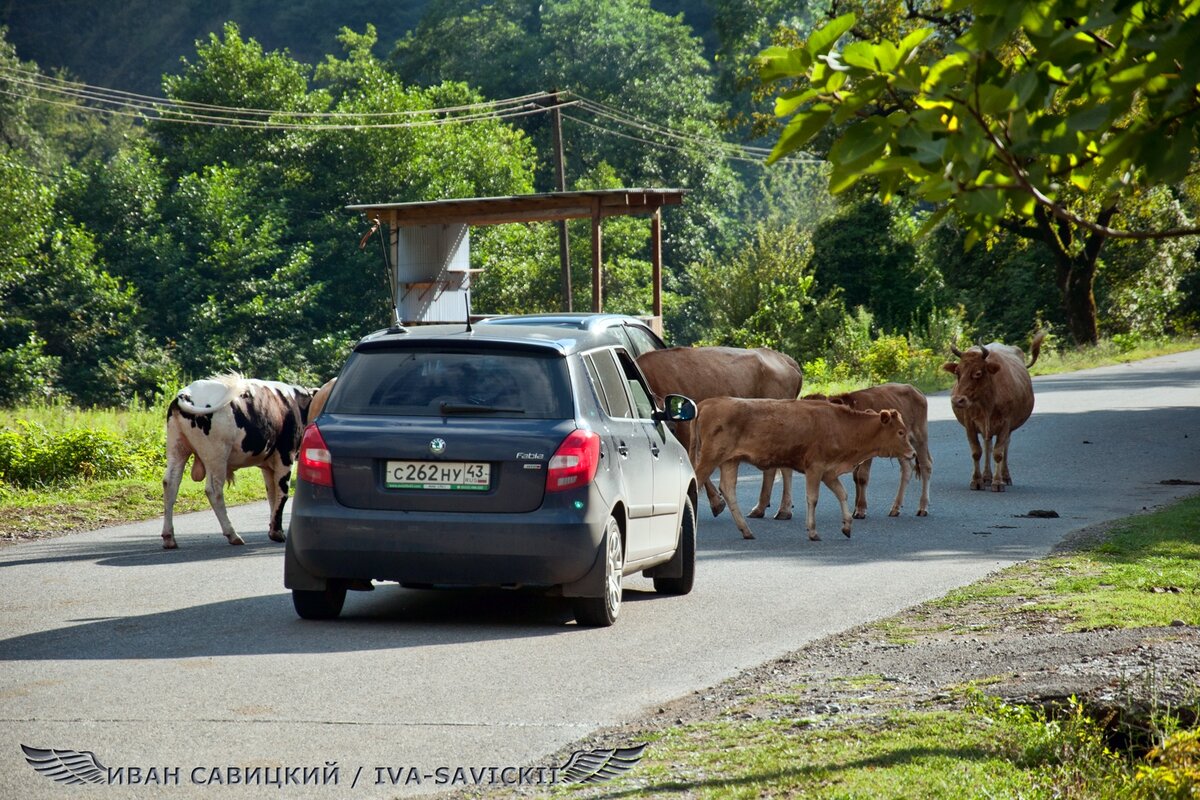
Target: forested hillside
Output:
{"points": [[132, 44], [192, 220]]}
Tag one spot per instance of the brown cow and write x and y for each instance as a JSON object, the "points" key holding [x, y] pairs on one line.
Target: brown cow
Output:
{"points": [[992, 396], [704, 372], [820, 439], [912, 405]]}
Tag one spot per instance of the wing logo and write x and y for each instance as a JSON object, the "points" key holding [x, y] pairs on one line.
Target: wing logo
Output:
{"points": [[599, 766], [66, 766]]}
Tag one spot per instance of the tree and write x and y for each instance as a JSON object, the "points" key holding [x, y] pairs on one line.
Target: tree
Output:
{"points": [[1047, 118]]}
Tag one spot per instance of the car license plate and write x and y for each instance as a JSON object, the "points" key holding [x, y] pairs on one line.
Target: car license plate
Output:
{"points": [[447, 475]]}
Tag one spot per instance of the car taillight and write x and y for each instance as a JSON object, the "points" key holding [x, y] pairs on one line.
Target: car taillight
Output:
{"points": [[574, 463], [315, 463]]}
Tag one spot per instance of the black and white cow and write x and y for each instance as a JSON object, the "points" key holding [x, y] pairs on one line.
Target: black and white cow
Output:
{"points": [[229, 422]]}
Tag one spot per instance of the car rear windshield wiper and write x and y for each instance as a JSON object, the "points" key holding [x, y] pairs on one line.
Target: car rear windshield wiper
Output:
{"points": [[469, 408]]}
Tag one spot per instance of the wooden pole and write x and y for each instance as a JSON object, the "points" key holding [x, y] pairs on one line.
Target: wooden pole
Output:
{"points": [[656, 260], [560, 180], [597, 252]]}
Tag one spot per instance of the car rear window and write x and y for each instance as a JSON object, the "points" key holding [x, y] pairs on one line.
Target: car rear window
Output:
{"points": [[434, 383]]}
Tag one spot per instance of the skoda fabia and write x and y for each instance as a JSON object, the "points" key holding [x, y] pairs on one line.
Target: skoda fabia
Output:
{"points": [[498, 455]]}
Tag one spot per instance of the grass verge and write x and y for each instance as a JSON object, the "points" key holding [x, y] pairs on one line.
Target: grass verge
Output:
{"points": [[877, 735]]}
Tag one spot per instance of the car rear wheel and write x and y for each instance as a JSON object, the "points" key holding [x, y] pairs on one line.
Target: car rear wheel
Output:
{"points": [[686, 553], [325, 604], [600, 612]]}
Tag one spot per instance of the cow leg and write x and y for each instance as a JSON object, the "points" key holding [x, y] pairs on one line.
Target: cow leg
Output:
{"points": [[764, 495], [839, 491], [925, 470], [214, 487], [704, 473], [277, 478], [976, 452], [729, 473], [282, 476], [906, 471], [1001, 457], [812, 485], [988, 454], [178, 451], [785, 502], [862, 476]]}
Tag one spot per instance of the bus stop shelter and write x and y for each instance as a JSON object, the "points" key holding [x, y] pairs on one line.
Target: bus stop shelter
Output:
{"points": [[428, 243]]}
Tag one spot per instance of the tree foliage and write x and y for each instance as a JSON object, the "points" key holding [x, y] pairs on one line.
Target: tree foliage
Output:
{"points": [[1043, 116]]}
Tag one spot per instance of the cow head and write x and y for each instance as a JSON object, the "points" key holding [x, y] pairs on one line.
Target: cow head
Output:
{"points": [[894, 437], [973, 372]]}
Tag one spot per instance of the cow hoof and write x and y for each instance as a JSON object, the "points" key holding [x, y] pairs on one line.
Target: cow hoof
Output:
{"points": [[846, 530], [976, 486], [997, 487], [277, 536], [814, 537], [747, 535], [922, 513], [860, 515], [718, 507], [895, 512], [169, 543], [755, 514], [235, 539], [783, 515]]}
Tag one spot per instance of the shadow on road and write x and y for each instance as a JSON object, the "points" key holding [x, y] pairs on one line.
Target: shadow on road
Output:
{"points": [[386, 619]]}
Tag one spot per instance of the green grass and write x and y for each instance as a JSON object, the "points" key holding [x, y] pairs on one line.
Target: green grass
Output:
{"points": [[1147, 573], [85, 504], [986, 749]]}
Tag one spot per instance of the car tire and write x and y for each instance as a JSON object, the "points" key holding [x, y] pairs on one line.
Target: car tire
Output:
{"points": [[325, 604], [687, 553], [601, 612]]}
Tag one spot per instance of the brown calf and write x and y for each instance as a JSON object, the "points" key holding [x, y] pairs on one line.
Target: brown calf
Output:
{"points": [[822, 440], [914, 408], [704, 372]]}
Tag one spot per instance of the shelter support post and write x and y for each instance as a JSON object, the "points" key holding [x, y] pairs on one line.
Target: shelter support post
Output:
{"points": [[656, 260], [597, 251]]}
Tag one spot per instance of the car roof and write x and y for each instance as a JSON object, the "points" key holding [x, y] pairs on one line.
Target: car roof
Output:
{"points": [[577, 320], [510, 335]]}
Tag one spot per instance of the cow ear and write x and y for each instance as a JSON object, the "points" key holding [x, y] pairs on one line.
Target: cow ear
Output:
{"points": [[951, 367], [993, 367], [885, 416]]}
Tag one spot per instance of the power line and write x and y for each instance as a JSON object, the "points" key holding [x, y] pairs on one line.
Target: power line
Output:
{"points": [[31, 85], [102, 94]]}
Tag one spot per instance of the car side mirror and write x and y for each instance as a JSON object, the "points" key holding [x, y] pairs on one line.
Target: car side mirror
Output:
{"points": [[677, 408]]}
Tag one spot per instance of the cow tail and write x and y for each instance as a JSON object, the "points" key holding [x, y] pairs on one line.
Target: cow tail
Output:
{"points": [[1035, 348], [694, 445]]}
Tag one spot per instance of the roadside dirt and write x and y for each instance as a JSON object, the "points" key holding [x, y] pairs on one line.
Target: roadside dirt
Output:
{"points": [[924, 657]]}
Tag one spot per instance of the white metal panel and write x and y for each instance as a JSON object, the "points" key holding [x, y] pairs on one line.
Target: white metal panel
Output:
{"points": [[432, 278]]}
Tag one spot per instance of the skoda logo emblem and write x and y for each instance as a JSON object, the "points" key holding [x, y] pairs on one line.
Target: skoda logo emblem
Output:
{"points": [[437, 446]]}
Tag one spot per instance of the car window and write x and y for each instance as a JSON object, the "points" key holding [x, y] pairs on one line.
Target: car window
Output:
{"points": [[432, 383], [642, 341], [610, 383], [642, 398]]}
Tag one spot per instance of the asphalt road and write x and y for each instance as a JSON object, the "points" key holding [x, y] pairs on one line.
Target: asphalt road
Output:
{"points": [[190, 664]]}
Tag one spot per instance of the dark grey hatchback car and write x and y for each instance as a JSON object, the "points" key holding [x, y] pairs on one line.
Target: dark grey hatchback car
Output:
{"points": [[506, 455]]}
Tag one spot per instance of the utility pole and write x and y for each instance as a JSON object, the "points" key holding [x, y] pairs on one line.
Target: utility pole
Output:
{"points": [[560, 176]]}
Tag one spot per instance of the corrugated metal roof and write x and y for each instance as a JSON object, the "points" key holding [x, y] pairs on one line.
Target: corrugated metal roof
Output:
{"points": [[524, 208]]}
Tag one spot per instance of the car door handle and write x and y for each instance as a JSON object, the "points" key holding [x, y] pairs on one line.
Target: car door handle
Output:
{"points": [[623, 449], [654, 450]]}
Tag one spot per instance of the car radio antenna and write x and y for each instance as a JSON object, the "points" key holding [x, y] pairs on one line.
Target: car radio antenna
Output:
{"points": [[467, 297], [377, 225]]}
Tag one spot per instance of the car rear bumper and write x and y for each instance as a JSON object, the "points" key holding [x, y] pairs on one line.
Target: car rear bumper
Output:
{"points": [[555, 545]]}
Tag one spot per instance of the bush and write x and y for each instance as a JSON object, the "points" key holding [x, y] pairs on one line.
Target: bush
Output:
{"points": [[31, 456], [27, 374]]}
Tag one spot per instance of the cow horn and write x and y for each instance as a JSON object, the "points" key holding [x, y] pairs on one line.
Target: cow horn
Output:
{"points": [[956, 351], [983, 350]]}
